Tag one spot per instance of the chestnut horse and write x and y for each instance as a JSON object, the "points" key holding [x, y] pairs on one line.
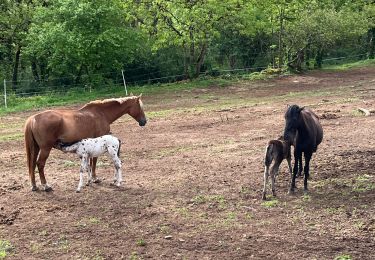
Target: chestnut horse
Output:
{"points": [[303, 129], [45, 130]]}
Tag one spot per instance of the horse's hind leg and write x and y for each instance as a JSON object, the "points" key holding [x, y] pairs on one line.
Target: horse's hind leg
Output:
{"points": [[32, 166], [93, 170], [308, 156], [41, 162]]}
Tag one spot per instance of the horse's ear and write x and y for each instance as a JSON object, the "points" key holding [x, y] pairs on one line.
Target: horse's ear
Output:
{"points": [[287, 105], [300, 109], [131, 94], [140, 95]]}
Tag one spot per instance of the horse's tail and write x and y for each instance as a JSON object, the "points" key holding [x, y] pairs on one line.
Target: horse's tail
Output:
{"points": [[32, 147], [268, 158], [119, 147]]}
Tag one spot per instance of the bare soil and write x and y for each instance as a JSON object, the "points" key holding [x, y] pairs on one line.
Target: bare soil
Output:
{"points": [[193, 180]]}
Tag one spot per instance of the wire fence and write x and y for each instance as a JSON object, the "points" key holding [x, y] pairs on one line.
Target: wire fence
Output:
{"points": [[118, 80]]}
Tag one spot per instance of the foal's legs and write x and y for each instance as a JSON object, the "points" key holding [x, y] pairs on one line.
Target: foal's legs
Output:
{"points": [[41, 162], [117, 162], [308, 156], [84, 167], [274, 172], [265, 184]]}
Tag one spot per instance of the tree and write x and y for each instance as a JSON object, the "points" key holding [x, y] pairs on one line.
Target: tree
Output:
{"points": [[83, 37]]}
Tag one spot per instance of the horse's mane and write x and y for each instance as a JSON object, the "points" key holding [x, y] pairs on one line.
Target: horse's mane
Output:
{"points": [[108, 101]]}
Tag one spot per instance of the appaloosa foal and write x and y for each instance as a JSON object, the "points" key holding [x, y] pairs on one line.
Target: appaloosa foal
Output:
{"points": [[277, 151], [93, 147]]}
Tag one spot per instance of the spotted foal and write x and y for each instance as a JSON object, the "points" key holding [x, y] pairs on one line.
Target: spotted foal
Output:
{"points": [[277, 151], [94, 147]]}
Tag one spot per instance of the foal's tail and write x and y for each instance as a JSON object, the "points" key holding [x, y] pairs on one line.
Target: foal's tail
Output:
{"points": [[268, 158], [32, 147]]}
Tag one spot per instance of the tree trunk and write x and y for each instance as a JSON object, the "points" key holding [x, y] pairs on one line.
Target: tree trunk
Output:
{"points": [[15, 67], [371, 34], [281, 29], [319, 58], [34, 69], [200, 60]]}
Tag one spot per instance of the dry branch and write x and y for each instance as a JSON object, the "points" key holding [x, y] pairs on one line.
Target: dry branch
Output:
{"points": [[364, 111]]}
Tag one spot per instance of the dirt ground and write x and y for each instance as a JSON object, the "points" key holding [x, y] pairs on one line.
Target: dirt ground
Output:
{"points": [[193, 180]]}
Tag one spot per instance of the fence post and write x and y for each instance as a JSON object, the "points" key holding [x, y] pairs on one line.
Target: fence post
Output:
{"points": [[123, 79], [5, 94]]}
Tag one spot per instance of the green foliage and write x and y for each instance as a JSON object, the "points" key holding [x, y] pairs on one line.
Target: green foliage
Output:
{"points": [[65, 44], [5, 248], [82, 36], [343, 257]]}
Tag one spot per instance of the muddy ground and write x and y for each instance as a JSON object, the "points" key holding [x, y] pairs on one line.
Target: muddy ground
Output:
{"points": [[193, 180]]}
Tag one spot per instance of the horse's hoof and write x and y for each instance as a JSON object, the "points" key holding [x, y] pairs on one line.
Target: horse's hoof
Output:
{"points": [[306, 191], [264, 197], [48, 189], [96, 180], [34, 188], [78, 191]]}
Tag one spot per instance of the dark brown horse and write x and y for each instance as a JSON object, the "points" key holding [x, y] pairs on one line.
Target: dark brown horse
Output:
{"points": [[45, 130], [303, 129]]}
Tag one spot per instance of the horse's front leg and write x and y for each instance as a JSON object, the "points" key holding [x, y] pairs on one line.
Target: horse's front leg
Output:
{"points": [[297, 155], [93, 170], [288, 159], [308, 156], [300, 166]]}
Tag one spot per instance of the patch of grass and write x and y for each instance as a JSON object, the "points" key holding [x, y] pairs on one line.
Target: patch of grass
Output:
{"points": [[350, 65], [134, 256], [184, 212], [34, 248], [270, 203], [212, 199], [62, 243], [359, 225], [306, 198], [84, 222], [363, 183], [68, 163], [164, 229], [334, 210], [11, 137], [356, 113], [343, 257], [6, 248], [141, 242]]}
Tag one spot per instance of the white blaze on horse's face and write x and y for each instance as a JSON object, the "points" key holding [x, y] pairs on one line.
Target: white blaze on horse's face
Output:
{"points": [[137, 112]]}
